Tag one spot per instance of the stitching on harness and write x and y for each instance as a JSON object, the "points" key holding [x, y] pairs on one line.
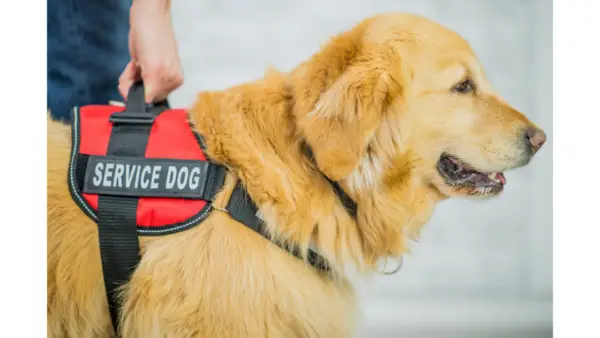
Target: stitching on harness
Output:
{"points": [[74, 152]]}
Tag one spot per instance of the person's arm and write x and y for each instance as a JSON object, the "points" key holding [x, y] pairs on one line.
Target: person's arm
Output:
{"points": [[153, 50]]}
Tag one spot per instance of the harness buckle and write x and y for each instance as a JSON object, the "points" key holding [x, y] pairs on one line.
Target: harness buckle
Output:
{"points": [[132, 118]]}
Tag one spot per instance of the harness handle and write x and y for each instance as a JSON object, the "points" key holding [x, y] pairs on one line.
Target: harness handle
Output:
{"points": [[136, 110], [136, 102], [135, 98]]}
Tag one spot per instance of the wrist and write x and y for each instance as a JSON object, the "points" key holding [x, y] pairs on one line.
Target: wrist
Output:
{"points": [[154, 5]]}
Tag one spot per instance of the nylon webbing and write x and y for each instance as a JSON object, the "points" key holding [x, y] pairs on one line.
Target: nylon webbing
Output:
{"points": [[241, 208], [117, 226]]}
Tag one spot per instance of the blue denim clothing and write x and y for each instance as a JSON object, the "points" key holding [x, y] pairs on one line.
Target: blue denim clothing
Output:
{"points": [[87, 51]]}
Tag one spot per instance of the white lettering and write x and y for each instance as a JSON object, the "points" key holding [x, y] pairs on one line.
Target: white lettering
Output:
{"points": [[137, 176], [98, 174], [108, 171], [182, 177], [129, 172], [118, 180], [145, 181], [171, 175], [195, 178], [155, 176]]}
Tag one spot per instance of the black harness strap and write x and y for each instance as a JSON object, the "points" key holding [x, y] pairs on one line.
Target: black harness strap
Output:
{"points": [[242, 209], [117, 227]]}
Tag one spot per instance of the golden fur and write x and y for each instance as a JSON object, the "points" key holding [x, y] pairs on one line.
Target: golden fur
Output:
{"points": [[374, 104]]}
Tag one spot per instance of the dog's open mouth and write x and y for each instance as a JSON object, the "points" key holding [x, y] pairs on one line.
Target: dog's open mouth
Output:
{"points": [[459, 174]]}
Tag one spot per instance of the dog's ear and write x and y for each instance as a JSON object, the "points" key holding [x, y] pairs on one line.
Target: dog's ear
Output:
{"points": [[345, 118]]}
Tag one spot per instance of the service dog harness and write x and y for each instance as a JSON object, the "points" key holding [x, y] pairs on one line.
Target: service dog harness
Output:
{"points": [[142, 170]]}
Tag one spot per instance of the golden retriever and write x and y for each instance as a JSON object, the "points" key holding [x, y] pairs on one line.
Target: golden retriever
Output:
{"points": [[397, 110]]}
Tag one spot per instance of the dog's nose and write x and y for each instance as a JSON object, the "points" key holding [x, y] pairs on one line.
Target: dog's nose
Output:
{"points": [[536, 138]]}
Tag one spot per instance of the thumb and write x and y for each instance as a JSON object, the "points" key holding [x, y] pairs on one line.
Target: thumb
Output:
{"points": [[128, 77], [150, 86]]}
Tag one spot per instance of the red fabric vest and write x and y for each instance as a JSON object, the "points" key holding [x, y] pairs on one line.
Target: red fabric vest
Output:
{"points": [[171, 137]]}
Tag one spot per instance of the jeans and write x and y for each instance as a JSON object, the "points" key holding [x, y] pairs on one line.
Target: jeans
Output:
{"points": [[87, 51]]}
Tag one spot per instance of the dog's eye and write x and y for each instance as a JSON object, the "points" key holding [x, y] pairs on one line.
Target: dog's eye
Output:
{"points": [[464, 87]]}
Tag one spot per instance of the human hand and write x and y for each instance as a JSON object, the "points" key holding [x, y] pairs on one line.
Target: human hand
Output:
{"points": [[153, 50]]}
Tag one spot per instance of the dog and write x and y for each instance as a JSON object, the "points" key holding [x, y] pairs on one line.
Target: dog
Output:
{"points": [[397, 110]]}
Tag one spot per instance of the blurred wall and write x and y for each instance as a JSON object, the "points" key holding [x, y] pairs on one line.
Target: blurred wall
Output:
{"points": [[480, 265]]}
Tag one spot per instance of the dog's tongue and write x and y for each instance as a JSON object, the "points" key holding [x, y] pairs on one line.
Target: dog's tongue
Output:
{"points": [[497, 177], [501, 177]]}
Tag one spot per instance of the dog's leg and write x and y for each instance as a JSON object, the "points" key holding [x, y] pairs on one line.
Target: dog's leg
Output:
{"points": [[221, 279]]}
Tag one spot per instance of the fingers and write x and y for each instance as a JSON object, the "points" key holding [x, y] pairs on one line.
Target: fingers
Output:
{"points": [[160, 81], [130, 75]]}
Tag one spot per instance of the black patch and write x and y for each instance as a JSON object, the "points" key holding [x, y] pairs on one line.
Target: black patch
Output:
{"points": [[145, 177]]}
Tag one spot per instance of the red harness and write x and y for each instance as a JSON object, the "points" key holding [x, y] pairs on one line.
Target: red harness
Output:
{"points": [[170, 137], [142, 170]]}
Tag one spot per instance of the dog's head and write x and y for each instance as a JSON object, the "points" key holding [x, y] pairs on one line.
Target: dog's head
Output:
{"points": [[399, 110]]}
